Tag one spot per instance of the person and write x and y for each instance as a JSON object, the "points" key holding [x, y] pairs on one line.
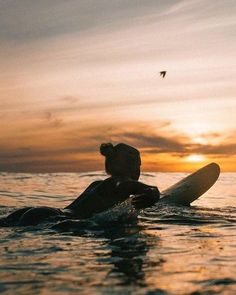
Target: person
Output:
{"points": [[122, 164]]}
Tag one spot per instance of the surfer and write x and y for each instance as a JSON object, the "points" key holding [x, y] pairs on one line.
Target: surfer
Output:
{"points": [[122, 164]]}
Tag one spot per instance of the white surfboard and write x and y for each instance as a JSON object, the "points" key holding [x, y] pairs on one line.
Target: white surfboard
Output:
{"points": [[191, 187]]}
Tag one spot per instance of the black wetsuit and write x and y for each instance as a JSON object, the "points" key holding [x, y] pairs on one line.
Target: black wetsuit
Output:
{"points": [[98, 197]]}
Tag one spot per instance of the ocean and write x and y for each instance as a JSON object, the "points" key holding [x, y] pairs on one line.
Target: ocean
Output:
{"points": [[164, 249]]}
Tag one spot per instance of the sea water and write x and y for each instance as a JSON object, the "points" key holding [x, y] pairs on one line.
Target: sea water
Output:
{"points": [[159, 250]]}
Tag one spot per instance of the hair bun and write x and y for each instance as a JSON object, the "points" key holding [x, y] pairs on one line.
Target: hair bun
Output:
{"points": [[106, 149]]}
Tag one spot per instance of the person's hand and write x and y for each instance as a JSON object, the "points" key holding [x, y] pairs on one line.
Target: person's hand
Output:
{"points": [[146, 199]]}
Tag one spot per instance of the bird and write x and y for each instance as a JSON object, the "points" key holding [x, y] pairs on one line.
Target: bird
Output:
{"points": [[162, 74]]}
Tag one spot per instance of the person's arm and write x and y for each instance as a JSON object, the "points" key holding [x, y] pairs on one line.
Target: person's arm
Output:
{"points": [[143, 195], [87, 203], [131, 187], [146, 199]]}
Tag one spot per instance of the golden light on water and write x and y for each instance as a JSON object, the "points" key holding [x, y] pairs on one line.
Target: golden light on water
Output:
{"points": [[195, 158]]}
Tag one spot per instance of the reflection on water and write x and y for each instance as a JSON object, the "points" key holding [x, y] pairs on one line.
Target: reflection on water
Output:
{"points": [[161, 250]]}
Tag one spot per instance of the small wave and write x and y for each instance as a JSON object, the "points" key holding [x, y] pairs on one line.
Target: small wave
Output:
{"points": [[182, 215], [100, 174], [214, 282], [23, 282], [123, 214]]}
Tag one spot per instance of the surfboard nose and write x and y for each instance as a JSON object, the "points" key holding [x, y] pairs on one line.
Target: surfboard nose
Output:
{"points": [[192, 186], [215, 167]]}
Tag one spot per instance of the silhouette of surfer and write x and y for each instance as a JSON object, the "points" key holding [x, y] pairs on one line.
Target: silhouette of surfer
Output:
{"points": [[122, 163]]}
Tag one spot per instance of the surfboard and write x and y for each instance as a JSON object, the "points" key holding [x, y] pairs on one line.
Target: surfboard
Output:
{"points": [[191, 187]]}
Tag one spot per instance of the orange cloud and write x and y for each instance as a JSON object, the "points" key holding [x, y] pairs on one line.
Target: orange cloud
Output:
{"points": [[75, 148]]}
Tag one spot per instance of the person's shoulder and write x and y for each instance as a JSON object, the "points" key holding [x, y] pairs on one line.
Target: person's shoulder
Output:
{"points": [[109, 180], [96, 182], [100, 184], [93, 185]]}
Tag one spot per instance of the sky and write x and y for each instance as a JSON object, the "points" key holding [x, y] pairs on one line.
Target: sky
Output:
{"points": [[77, 73]]}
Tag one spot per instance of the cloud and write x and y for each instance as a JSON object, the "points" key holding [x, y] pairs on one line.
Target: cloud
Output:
{"points": [[27, 20], [211, 135], [51, 120], [148, 140], [30, 20], [78, 145], [70, 99], [76, 148], [220, 149]]}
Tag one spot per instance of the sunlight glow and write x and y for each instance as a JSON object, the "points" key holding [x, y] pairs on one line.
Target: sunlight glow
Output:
{"points": [[195, 158]]}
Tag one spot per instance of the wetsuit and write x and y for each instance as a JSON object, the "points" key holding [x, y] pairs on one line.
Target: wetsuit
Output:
{"points": [[98, 197]]}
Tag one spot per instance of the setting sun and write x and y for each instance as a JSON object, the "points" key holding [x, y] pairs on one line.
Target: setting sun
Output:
{"points": [[195, 158]]}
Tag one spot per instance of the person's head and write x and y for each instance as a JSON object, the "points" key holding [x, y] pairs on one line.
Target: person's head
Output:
{"points": [[122, 160]]}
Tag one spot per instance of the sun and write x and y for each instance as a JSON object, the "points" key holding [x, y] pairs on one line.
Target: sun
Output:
{"points": [[195, 158]]}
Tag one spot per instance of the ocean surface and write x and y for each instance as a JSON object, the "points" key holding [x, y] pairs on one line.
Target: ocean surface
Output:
{"points": [[160, 250]]}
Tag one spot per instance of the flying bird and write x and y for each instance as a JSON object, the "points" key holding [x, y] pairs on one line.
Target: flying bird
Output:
{"points": [[162, 74]]}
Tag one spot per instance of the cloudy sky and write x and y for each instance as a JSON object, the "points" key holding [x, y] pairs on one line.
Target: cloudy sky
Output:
{"points": [[77, 73]]}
